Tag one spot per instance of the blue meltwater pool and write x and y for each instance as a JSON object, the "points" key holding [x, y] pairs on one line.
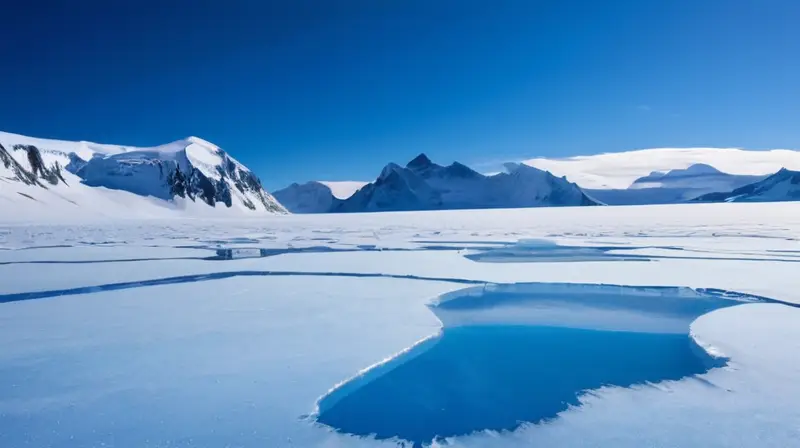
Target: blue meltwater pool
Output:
{"points": [[497, 377]]}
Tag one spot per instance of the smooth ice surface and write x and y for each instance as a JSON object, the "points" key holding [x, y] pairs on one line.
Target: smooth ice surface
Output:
{"points": [[137, 334]]}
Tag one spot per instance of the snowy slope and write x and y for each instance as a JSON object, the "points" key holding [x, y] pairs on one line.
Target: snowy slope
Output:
{"points": [[343, 189], [698, 175], [310, 197], [781, 186], [424, 185], [674, 186], [621, 170], [316, 196], [42, 177], [396, 188]]}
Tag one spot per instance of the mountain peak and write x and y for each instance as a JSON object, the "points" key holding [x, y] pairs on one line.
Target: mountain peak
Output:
{"points": [[201, 142], [389, 169], [513, 167], [699, 168], [784, 185], [179, 173], [421, 161], [460, 170], [785, 174]]}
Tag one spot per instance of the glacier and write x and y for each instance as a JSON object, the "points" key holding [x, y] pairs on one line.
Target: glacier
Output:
{"points": [[239, 332]]}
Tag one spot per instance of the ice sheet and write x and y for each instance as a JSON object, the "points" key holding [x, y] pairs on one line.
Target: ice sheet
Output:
{"points": [[136, 334]]}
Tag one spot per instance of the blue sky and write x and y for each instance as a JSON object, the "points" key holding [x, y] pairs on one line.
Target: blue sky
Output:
{"points": [[334, 89]]}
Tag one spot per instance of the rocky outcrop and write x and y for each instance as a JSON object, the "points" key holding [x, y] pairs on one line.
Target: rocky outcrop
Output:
{"points": [[191, 169], [37, 170]]}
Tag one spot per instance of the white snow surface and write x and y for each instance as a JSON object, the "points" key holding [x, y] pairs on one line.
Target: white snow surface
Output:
{"points": [[343, 189], [136, 334], [620, 170]]}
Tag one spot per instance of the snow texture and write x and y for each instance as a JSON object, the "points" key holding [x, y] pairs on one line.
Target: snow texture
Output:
{"points": [[229, 332]]}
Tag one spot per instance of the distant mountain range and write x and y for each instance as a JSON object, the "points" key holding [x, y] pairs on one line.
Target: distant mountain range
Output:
{"points": [[674, 186], [781, 186], [425, 185], [40, 178], [670, 175], [620, 170]]}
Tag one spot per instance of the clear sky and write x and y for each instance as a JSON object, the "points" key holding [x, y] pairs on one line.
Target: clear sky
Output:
{"points": [[333, 89]]}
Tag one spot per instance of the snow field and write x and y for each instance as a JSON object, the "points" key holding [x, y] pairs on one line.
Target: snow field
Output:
{"points": [[136, 334]]}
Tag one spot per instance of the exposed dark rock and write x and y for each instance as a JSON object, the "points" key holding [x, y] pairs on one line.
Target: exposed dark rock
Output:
{"points": [[165, 178], [177, 182], [20, 173]]}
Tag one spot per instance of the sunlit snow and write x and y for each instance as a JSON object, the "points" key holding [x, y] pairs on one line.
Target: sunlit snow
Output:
{"points": [[590, 326], [621, 169]]}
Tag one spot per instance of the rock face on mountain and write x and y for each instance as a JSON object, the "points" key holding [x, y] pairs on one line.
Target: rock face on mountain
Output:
{"points": [[781, 186], [424, 185], [24, 163], [191, 169]]}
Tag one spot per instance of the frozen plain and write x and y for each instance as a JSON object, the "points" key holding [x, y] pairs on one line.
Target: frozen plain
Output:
{"points": [[244, 333]]}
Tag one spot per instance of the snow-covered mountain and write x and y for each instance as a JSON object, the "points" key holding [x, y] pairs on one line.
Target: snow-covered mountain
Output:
{"points": [[699, 175], [41, 177], [781, 186], [316, 196], [674, 186], [424, 185], [623, 169]]}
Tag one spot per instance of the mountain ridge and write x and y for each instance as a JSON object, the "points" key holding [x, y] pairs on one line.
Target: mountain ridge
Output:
{"points": [[619, 170], [425, 185], [181, 174], [782, 186]]}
